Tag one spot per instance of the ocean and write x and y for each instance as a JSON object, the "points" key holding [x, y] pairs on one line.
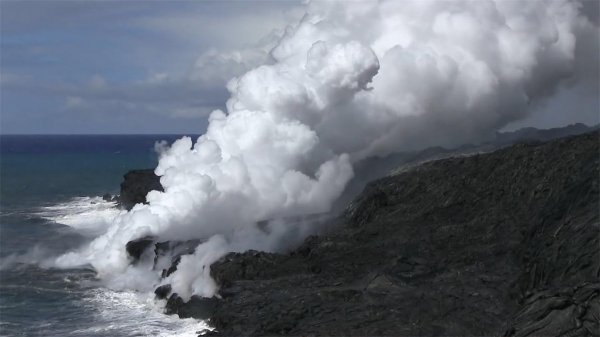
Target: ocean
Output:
{"points": [[50, 203]]}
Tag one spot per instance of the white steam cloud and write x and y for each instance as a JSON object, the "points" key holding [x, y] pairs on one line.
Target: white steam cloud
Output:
{"points": [[350, 80]]}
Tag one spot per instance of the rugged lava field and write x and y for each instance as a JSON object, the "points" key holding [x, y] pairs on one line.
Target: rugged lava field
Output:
{"points": [[493, 244]]}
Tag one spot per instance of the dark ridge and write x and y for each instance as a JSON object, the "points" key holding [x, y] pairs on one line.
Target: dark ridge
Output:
{"points": [[503, 244], [534, 134], [373, 168]]}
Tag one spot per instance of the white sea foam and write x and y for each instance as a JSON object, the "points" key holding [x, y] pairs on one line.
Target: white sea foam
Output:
{"points": [[91, 216], [133, 313], [88, 216]]}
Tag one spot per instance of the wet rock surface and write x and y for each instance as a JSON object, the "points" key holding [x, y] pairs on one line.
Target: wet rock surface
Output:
{"points": [[505, 243], [163, 291], [136, 185], [197, 307], [166, 255], [136, 248]]}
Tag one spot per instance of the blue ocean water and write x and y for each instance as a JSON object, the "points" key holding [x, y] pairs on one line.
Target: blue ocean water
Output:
{"points": [[50, 188]]}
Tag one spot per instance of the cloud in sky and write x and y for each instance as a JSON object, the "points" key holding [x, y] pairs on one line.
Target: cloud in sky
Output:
{"points": [[97, 67]]}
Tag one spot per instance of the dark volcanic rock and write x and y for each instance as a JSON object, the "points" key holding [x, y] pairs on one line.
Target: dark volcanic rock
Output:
{"points": [[505, 243], [136, 185], [136, 248], [560, 312], [373, 168], [163, 291], [172, 268], [196, 307], [174, 250], [233, 266]]}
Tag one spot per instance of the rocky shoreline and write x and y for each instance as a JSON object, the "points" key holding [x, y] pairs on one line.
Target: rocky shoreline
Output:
{"points": [[503, 243]]}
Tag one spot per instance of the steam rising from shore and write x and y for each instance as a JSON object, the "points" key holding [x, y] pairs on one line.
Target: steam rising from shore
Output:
{"points": [[350, 80]]}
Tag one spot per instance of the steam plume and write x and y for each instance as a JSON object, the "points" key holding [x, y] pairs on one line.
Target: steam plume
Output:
{"points": [[350, 80]]}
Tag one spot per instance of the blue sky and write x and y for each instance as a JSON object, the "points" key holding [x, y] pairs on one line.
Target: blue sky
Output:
{"points": [[80, 67], [72, 67]]}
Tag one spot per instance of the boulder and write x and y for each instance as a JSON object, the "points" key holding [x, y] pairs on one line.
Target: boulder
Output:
{"points": [[136, 248], [163, 291], [197, 307], [136, 185]]}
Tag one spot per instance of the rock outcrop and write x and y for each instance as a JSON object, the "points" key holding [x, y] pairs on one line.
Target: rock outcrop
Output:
{"points": [[505, 243], [197, 307], [165, 255], [136, 185]]}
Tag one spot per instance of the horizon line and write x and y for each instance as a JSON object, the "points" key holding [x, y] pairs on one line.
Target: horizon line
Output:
{"points": [[199, 134], [100, 134]]}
